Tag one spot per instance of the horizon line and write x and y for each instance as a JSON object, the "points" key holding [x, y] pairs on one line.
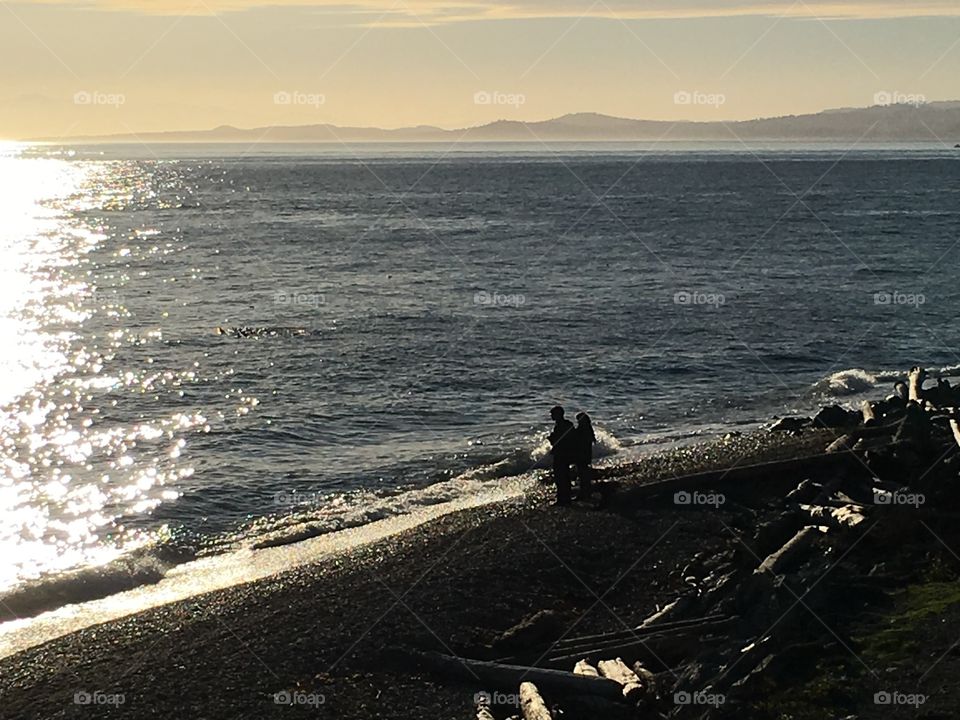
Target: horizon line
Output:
{"points": [[133, 135]]}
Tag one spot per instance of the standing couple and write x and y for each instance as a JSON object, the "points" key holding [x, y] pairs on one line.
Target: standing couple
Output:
{"points": [[571, 446]]}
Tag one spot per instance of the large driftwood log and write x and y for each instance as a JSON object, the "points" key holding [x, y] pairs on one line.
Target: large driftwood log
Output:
{"points": [[764, 474], [509, 676], [794, 547], [869, 413], [531, 704], [618, 671], [955, 426]]}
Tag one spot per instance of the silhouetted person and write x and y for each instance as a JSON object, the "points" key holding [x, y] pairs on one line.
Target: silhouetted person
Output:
{"points": [[584, 438], [562, 441]]}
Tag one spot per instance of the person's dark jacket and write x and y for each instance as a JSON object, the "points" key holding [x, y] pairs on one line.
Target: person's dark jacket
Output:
{"points": [[563, 441], [584, 440]]}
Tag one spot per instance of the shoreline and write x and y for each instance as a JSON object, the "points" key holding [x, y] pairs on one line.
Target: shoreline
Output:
{"points": [[54, 605], [500, 560], [231, 569]]}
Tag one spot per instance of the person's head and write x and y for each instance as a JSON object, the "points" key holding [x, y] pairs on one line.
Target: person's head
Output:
{"points": [[556, 412], [583, 418]]}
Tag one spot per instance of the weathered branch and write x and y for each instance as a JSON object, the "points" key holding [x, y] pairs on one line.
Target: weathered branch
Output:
{"points": [[531, 704]]}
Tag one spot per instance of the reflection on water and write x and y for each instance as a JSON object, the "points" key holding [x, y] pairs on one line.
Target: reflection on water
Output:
{"points": [[69, 464]]}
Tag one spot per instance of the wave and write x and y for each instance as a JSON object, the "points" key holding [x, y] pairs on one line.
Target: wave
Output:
{"points": [[144, 566], [362, 508], [857, 380], [150, 564]]}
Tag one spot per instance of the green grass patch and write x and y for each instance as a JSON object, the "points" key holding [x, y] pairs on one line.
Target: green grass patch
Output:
{"points": [[839, 684]]}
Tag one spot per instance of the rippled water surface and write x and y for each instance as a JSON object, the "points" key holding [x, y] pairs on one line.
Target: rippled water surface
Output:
{"points": [[423, 309]]}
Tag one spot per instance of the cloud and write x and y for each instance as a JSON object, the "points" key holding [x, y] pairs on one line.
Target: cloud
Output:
{"points": [[436, 12]]}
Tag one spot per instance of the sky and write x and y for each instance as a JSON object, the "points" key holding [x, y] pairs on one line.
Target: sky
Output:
{"points": [[76, 67]]}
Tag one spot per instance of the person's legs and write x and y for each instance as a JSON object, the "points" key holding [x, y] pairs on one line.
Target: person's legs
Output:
{"points": [[584, 476], [561, 475]]}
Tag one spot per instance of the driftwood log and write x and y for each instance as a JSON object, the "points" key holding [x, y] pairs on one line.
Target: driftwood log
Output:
{"points": [[531, 704], [741, 623], [618, 671], [915, 384], [597, 643], [584, 668], [647, 679], [797, 545], [656, 651], [663, 616], [763, 473], [507, 677], [847, 516]]}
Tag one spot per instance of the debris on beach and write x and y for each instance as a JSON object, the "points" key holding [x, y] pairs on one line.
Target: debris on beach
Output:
{"points": [[753, 612]]}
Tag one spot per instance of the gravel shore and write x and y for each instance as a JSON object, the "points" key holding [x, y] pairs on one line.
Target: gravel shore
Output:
{"points": [[323, 633]]}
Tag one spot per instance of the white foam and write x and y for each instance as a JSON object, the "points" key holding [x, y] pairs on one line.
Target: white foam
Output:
{"points": [[242, 566], [294, 540], [858, 380]]}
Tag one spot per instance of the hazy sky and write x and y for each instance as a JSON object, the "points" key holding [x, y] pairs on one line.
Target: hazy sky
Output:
{"points": [[105, 66]]}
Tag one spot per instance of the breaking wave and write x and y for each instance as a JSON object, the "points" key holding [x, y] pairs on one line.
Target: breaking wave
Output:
{"points": [[857, 380], [148, 565], [143, 566]]}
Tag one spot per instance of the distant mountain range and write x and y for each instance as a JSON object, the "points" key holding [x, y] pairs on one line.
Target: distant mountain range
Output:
{"points": [[931, 122]]}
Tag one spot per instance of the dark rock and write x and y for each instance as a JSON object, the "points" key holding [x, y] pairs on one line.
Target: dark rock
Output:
{"points": [[834, 416], [789, 424]]}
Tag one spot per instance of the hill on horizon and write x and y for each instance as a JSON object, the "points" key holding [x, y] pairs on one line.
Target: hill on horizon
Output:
{"points": [[930, 122]]}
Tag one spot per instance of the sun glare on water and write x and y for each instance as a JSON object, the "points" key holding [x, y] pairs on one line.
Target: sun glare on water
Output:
{"points": [[58, 484]]}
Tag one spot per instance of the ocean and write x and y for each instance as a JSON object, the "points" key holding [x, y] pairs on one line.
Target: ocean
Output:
{"points": [[218, 347]]}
